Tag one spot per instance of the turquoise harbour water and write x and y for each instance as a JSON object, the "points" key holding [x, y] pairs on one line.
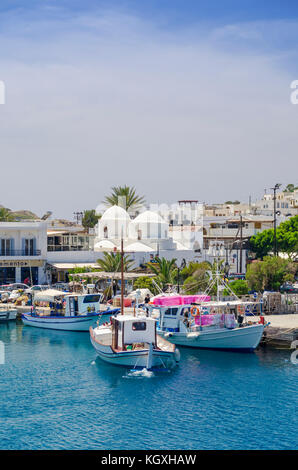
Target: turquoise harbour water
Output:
{"points": [[56, 394]]}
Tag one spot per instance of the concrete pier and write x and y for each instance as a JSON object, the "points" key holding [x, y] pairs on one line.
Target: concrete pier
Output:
{"points": [[281, 332]]}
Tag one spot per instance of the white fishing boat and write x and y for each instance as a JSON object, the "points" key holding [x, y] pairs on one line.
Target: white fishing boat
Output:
{"points": [[58, 310], [208, 325], [132, 342], [8, 314], [213, 326]]}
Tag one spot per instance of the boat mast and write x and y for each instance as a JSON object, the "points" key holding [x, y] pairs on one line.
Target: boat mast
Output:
{"points": [[122, 278], [217, 281]]}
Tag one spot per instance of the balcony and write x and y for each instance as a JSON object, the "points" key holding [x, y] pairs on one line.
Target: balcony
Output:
{"points": [[8, 253], [68, 248]]}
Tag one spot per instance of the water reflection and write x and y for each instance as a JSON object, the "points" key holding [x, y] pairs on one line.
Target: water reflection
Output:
{"points": [[12, 332]]}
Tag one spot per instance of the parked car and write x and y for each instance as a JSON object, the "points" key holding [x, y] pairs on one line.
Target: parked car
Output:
{"points": [[289, 288], [31, 290], [14, 286], [61, 286]]}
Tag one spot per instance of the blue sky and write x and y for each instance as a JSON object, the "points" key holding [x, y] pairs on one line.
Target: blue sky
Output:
{"points": [[176, 11], [182, 99]]}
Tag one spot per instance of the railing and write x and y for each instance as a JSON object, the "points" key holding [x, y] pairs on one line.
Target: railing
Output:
{"points": [[68, 248], [20, 253]]}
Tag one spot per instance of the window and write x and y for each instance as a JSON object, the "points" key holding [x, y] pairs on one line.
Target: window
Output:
{"points": [[139, 326], [6, 246], [91, 298], [105, 232], [28, 246], [171, 311]]}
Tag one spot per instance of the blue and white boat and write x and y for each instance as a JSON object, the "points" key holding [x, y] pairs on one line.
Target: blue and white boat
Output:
{"points": [[58, 310]]}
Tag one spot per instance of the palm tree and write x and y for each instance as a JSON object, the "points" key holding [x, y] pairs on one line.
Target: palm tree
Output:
{"points": [[126, 194], [6, 215], [111, 262], [165, 271]]}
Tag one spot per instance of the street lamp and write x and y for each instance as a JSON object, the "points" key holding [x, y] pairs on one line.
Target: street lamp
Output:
{"points": [[276, 187]]}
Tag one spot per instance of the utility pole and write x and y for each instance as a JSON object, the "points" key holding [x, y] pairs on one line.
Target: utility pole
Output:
{"points": [[122, 278], [240, 269], [276, 187]]}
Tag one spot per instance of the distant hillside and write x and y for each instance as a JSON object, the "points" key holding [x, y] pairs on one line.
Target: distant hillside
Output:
{"points": [[20, 215], [24, 215]]}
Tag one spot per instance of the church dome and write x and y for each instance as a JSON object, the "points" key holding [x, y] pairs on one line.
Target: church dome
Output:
{"points": [[115, 213], [113, 223], [149, 217], [148, 225]]}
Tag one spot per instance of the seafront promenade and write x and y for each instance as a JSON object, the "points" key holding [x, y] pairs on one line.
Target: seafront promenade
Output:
{"points": [[280, 321]]}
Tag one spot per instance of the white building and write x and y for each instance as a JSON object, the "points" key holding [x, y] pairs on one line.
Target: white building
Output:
{"points": [[286, 204], [146, 235], [23, 251]]}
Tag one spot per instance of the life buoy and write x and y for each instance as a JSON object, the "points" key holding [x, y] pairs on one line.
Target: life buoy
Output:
{"points": [[193, 310]]}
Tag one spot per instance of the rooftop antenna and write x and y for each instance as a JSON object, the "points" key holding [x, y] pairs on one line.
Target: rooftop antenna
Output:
{"points": [[46, 215], [78, 216]]}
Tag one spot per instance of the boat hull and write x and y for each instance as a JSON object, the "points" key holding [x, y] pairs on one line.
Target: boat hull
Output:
{"points": [[8, 315], [135, 359], [78, 323], [246, 338]]}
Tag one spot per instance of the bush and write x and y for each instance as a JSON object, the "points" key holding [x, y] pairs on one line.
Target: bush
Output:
{"points": [[145, 282], [239, 287], [270, 273]]}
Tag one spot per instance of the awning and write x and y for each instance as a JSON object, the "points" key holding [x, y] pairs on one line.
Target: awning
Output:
{"points": [[73, 265], [116, 275], [48, 295]]}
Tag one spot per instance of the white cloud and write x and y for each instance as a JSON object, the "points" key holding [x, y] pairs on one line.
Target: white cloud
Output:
{"points": [[98, 101]]}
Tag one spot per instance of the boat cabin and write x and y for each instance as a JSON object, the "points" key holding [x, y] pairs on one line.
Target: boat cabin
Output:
{"points": [[52, 302], [82, 304], [129, 332], [184, 317]]}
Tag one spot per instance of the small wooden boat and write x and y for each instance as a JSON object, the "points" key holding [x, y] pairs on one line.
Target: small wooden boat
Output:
{"points": [[132, 342], [58, 310]]}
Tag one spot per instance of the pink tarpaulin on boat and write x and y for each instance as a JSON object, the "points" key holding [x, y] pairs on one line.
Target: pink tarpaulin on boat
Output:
{"points": [[172, 300], [190, 299], [168, 301], [220, 319]]}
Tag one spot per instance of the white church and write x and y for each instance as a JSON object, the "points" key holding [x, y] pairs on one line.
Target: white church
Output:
{"points": [[146, 236]]}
